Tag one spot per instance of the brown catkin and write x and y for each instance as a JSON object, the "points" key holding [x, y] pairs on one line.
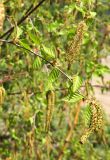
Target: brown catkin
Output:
{"points": [[96, 121], [50, 106], [27, 110], [74, 48], [30, 142], [2, 15], [97, 114]]}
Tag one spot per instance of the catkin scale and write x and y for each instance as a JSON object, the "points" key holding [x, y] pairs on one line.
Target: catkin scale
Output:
{"points": [[100, 117], [2, 15], [96, 121], [74, 48], [85, 136], [50, 106]]}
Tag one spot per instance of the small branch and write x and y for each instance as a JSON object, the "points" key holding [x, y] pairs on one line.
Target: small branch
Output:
{"points": [[63, 73], [23, 18], [56, 90], [7, 78], [36, 54], [30, 8], [100, 86]]}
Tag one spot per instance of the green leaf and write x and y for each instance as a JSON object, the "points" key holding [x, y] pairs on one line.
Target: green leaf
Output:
{"points": [[52, 27], [19, 31], [70, 8], [80, 9], [53, 75], [73, 98], [77, 82], [93, 14], [87, 114], [37, 63], [34, 38], [25, 44], [48, 52]]}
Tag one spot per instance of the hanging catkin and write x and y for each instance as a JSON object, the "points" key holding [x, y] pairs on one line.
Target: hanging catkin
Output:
{"points": [[86, 135], [50, 106], [2, 15], [27, 110], [96, 121], [2, 95], [74, 48]]}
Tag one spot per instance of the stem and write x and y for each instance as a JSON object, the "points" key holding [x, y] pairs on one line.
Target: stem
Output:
{"points": [[23, 18], [15, 44]]}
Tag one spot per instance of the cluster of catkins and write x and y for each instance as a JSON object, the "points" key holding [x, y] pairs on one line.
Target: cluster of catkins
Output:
{"points": [[96, 120], [74, 48], [2, 15]]}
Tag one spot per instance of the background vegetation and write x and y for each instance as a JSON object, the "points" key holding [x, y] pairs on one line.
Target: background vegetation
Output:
{"points": [[50, 51]]}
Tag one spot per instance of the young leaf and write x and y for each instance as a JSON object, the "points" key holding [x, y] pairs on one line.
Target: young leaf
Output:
{"points": [[53, 75], [19, 31], [48, 52], [77, 82], [34, 38], [87, 114], [73, 98], [25, 44], [37, 63]]}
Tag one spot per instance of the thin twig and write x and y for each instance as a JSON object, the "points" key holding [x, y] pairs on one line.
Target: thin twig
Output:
{"points": [[30, 8], [23, 18], [56, 90], [8, 78], [36, 54]]}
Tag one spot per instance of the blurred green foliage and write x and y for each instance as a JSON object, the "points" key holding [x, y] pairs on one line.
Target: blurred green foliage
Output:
{"points": [[26, 78]]}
